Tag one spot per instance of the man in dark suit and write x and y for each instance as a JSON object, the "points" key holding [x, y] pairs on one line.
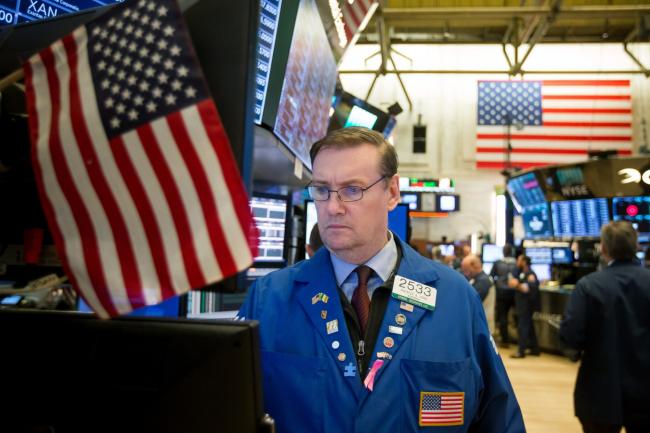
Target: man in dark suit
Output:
{"points": [[502, 271], [608, 320]]}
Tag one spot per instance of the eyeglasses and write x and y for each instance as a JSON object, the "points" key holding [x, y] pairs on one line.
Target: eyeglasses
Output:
{"points": [[349, 193]]}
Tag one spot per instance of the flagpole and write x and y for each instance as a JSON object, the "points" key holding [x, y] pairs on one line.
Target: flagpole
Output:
{"points": [[12, 78]]}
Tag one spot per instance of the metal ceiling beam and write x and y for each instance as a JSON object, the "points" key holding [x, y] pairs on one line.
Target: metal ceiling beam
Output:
{"points": [[394, 15]]}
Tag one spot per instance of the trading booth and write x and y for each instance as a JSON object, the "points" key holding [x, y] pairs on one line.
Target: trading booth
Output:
{"points": [[562, 210]]}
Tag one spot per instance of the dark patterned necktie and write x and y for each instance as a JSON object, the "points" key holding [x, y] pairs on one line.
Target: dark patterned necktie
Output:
{"points": [[360, 298]]}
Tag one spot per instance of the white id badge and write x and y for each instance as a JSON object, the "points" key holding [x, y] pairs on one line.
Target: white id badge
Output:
{"points": [[415, 293]]}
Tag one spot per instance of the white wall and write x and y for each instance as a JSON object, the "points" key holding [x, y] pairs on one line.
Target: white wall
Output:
{"points": [[448, 105]]}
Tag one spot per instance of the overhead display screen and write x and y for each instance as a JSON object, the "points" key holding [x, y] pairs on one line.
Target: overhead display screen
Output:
{"points": [[579, 217], [22, 11], [539, 255], [309, 82], [536, 221], [635, 210], [525, 191], [269, 11]]}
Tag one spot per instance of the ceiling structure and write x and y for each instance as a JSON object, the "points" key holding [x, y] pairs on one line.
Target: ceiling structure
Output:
{"points": [[517, 25]]}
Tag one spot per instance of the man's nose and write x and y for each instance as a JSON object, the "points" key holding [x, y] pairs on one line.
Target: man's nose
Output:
{"points": [[334, 204]]}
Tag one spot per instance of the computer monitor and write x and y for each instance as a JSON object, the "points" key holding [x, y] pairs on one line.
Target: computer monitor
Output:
{"points": [[539, 255], [491, 253], [537, 222], [412, 199], [543, 271], [562, 255], [487, 267], [271, 215], [447, 203], [636, 210], [579, 218], [446, 249], [71, 372]]}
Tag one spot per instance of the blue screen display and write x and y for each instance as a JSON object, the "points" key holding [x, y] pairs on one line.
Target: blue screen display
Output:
{"points": [[562, 255], [579, 217], [167, 308], [537, 223], [539, 255], [360, 117], [21, 11], [636, 210], [525, 191], [398, 221]]}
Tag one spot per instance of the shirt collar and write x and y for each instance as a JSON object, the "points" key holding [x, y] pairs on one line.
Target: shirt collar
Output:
{"points": [[382, 263]]}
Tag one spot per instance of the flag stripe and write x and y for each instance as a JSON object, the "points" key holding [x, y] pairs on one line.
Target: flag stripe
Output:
{"points": [[552, 137], [589, 124], [110, 211], [146, 214], [557, 131], [543, 150], [199, 240], [161, 214], [61, 220], [588, 110], [587, 97], [595, 104], [132, 235], [205, 198], [230, 197], [597, 83], [59, 167], [173, 197], [81, 182]]}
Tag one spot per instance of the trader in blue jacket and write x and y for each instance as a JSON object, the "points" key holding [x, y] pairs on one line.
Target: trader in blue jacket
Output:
{"points": [[368, 336]]}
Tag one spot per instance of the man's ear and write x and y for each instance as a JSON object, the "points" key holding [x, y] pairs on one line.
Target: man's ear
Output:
{"points": [[393, 190]]}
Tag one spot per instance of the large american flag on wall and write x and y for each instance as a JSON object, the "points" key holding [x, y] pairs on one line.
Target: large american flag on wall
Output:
{"points": [[135, 170], [552, 121]]}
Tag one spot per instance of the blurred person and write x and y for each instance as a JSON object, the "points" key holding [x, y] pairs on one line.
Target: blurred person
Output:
{"points": [[607, 321], [527, 301], [472, 268], [463, 251], [436, 254], [502, 270], [315, 241]]}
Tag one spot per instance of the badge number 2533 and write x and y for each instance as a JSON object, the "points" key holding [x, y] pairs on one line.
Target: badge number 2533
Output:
{"points": [[416, 293]]}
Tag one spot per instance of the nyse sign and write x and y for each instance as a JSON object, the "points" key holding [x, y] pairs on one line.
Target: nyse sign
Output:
{"points": [[634, 176]]}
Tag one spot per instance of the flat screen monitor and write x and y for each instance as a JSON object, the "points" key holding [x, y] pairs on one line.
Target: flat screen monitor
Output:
{"points": [[17, 11], [491, 253], [579, 218], [271, 215], [562, 255], [635, 210], [539, 255], [537, 222], [412, 199], [71, 372], [487, 267], [525, 191], [309, 81], [398, 220], [447, 203], [446, 249], [352, 111], [543, 271]]}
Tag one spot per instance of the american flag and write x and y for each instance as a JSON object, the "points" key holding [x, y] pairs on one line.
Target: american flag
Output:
{"points": [[135, 170], [552, 121], [355, 15], [441, 408]]}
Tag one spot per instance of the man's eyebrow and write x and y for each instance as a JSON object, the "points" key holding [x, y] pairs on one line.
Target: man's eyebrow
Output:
{"points": [[353, 181]]}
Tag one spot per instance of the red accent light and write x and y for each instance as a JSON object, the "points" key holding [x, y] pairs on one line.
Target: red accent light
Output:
{"points": [[632, 210]]}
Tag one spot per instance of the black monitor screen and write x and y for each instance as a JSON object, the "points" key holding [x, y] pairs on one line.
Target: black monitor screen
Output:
{"points": [[270, 213], [562, 255], [491, 253], [71, 372], [579, 217], [635, 210], [537, 223], [352, 111], [539, 255], [21, 11]]}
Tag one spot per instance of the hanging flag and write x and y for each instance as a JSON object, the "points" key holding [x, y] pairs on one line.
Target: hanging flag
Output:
{"points": [[551, 121], [135, 171]]}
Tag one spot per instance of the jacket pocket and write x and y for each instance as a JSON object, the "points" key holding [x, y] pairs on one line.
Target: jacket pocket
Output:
{"points": [[287, 379], [437, 396]]}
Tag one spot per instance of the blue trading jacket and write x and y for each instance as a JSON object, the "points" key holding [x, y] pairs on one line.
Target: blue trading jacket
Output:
{"points": [[310, 380]]}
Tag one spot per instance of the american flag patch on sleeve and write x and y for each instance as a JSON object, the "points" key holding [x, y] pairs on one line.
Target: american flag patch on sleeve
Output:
{"points": [[441, 408]]}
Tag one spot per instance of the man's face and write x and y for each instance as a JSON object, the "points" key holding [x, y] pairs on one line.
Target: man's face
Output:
{"points": [[466, 269], [357, 230], [520, 262]]}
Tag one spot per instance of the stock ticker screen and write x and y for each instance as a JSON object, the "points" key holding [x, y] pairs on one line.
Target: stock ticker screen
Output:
{"points": [[526, 191], [22, 11], [636, 210], [579, 217]]}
